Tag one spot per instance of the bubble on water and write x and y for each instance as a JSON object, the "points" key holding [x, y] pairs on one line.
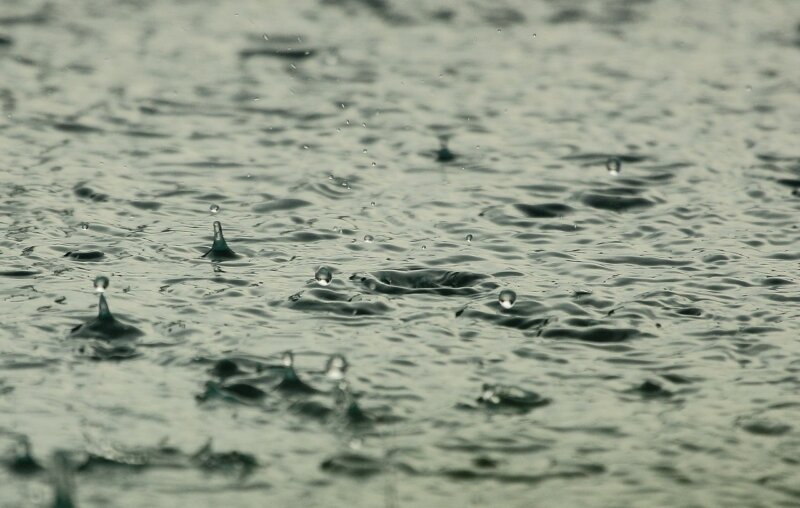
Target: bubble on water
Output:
{"points": [[214, 209], [84, 226], [336, 367], [287, 359], [100, 283], [323, 276], [613, 165], [507, 298], [469, 238], [369, 238]]}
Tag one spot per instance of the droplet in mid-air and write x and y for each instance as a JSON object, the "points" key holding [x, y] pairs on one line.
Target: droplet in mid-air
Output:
{"points": [[323, 276], [214, 209], [469, 238], [613, 165], [84, 226], [100, 283], [369, 238], [336, 367], [287, 359], [507, 298]]}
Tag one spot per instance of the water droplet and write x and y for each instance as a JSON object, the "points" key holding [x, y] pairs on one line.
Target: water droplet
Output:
{"points": [[374, 163], [214, 209], [364, 124], [469, 238], [507, 298], [347, 122], [499, 30], [613, 165], [369, 238], [266, 37], [287, 359], [342, 105], [372, 203], [336, 367], [364, 150], [323, 276], [100, 283], [424, 247], [534, 36], [84, 226]]}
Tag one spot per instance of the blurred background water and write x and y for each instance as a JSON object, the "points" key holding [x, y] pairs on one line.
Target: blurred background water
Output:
{"points": [[628, 169]]}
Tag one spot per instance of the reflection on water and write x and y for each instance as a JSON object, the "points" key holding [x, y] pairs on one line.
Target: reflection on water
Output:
{"points": [[554, 249]]}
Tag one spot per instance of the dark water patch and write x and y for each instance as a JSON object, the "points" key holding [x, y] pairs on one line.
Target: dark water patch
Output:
{"points": [[690, 311], [504, 398], [6, 40], [584, 471], [596, 334], [544, 211], [282, 53], [280, 205], [105, 326], [330, 301], [146, 205], [615, 203], [89, 255], [21, 462], [18, 273], [38, 17], [421, 281], [84, 192], [776, 282], [232, 463], [76, 128], [644, 261], [651, 390]]}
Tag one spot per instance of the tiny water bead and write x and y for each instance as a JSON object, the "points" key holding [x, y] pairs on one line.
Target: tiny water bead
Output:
{"points": [[369, 238], [469, 238], [507, 298], [324, 276], [336, 367], [287, 360], [84, 226], [614, 165], [100, 283], [214, 209]]}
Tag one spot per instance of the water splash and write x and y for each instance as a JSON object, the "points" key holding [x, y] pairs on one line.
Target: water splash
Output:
{"points": [[63, 482], [507, 298], [219, 249], [105, 326], [324, 276], [291, 382], [614, 166]]}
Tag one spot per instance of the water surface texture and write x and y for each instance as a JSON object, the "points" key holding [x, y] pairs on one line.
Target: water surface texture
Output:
{"points": [[625, 173]]}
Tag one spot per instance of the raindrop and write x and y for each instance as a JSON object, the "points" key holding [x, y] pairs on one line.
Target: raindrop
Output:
{"points": [[374, 163], [364, 150], [507, 298], [100, 283], [534, 36], [214, 209], [336, 367], [323, 276], [84, 226], [372, 203], [613, 165], [469, 238], [364, 124], [499, 30], [287, 359], [369, 238], [266, 37]]}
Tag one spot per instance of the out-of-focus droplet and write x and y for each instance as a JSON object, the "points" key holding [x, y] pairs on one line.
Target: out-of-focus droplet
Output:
{"points": [[469, 238], [287, 359], [324, 276], [336, 367], [534, 36], [374, 163], [100, 283], [364, 150], [214, 209], [369, 238], [84, 226], [372, 203], [507, 298], [614, 166], [266, 37]]}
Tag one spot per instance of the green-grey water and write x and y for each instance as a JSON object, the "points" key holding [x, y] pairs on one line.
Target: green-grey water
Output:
{"points": [[480, 253]]}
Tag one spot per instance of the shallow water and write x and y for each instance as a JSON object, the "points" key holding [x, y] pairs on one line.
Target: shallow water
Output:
{"points": [[651, 357]]}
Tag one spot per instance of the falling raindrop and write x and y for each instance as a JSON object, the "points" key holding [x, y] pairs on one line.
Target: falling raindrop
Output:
{"points": [[369, 238], [324, 276], [469, 238], [84, 226], [287, 359], [100, 283], [214, 209], [507, 298]]}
